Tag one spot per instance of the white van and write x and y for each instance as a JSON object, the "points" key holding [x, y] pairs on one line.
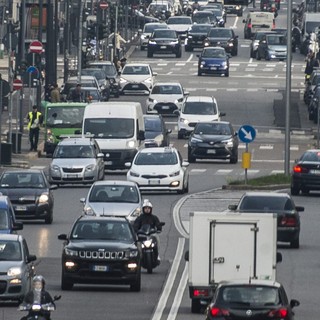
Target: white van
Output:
{"points": [[258, 21], [310, 21], [118, 127]]}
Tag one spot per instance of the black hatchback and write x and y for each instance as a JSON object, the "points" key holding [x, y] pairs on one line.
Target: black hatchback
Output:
{"points": [[251, 299], [195, 36]]}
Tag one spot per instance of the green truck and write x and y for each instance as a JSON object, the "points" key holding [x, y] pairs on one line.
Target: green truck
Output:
{"points": [[61, 118]]}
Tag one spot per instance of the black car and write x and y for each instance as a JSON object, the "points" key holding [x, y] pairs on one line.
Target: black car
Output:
{"points": [[156, 133], [213, 140], [305, 175], [213, 60], [251, 299], [101, 250], [164, 41], [205, 17], [30, 193], [195, 36], [288, 218], [222, 37]]}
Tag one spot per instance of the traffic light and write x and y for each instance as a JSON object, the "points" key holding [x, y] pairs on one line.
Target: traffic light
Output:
{"points": [[13, 27], [102, 32], [91, 31]]}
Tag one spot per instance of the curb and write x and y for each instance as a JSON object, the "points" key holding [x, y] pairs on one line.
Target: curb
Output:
{"points": [[248, 187]]}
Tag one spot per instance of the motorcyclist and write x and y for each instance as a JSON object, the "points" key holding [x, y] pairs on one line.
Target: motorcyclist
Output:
{"points": [[147, 217], [195, 6], [38, 295]]}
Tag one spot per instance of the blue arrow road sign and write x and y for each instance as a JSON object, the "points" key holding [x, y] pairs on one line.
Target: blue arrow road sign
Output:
{"points": [[247, 133], [32, 69]]}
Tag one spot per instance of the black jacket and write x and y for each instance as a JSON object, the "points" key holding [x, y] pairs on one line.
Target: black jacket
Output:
{"points": [[147, 218]]}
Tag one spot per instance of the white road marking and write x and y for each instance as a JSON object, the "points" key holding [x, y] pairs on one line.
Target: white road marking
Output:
{"points": [[266, 147]]}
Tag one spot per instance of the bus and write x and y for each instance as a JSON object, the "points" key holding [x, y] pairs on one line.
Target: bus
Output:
{"points": [[61, 118]]}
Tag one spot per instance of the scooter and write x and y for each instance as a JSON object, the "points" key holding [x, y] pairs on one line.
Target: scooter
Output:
{"points": [[37, 311], [149, 245]]}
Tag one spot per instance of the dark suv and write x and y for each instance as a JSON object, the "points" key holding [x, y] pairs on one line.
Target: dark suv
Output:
{"points": [[101, 250], [196, 34], [164, 41]]}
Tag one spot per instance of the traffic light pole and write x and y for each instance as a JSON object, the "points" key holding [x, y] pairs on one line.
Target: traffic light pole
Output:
{"points": [[115, 32], [22, 55], [10, 79], [80, 41]]}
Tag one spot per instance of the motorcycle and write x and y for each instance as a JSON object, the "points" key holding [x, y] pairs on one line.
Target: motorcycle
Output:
{"points": [[37, 311], [149, 245], [114, 87]]}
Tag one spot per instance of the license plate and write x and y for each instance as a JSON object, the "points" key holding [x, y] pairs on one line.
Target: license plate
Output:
{"points": [[211, 151], [213, 68], [21, 208], [72, 176], [108, 163], [100, 268], [315, 171], [199, 41], [163, 47], [135, 86], [154, 181], [165, 107]]}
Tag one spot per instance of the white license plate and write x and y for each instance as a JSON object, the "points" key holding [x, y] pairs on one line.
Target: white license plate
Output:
{"points": [[100, 268], [213, 68], [165, 107], [72, 176], [315, 171], [108, 163], [211, 151], [163, 47], [135, 86], [154, 181], [21, 208]]}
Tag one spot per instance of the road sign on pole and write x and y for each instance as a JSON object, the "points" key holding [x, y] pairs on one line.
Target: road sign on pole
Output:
{"points": [[17, 84], [103, 5], [247, 133], [36, 47]]}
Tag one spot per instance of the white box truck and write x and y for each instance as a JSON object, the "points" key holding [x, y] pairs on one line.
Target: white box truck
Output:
{"points": [[229, 246]]}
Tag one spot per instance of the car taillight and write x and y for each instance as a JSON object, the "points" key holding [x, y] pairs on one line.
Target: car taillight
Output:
{"points": [[200, 292], [288, 222], [278, 313], [299, 169], [218, 312]]}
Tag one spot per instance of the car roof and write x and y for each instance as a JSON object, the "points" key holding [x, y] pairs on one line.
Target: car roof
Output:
{"points": [[252, 282], [102, 218], [200, 98], [11, 237], [115, 183], [216, 48], [24, 171], [152, 116], [137, 64], [76, 141], [97, 63], [266, 194], [213, 122], [158, 150], [72, 79], [167, 84]]}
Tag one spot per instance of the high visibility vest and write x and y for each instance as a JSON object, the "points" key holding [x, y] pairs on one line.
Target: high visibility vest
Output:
{"points": [[36, 122]]}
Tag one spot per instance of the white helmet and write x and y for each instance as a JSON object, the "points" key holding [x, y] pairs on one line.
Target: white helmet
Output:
{"points": [[146, 204]]}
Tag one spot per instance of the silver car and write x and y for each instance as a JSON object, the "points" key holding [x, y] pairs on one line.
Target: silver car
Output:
{"points": [[16, 268], [148, 30], [76, 161], [118, 198]]}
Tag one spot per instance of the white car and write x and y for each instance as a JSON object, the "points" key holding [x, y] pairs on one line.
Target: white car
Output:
{"points": [[147, 31], [113, 197], [165, 98], [180, 24], [197, 109], [137, 78], [159, 169]]}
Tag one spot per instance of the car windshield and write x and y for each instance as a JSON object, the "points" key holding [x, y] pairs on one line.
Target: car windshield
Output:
{"points": [[152, 124], [98, 73], [22, 180], [156, 159], [4, 222], [257, 203], [179, 20], [200, 28], [166, 89], [212, 128], [112, 193], [157, 7], [73, 152], [101, 230], [111, 128], [10, 251], [312, 156], [137, 70], [249, 295], [220, 33], [88, 95], [64, 117], [209, 108], [165, 33], [276, 40], [214, 53], [151, 28]]}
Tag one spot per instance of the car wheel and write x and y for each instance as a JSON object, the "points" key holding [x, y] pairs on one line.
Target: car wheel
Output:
{"points": [[102, 176], [295, 244], [234, 159], [258, 56], [180, 135], [150, 54], [136, 286], [191, 158], [49, 218], [227, 73], [66, 284], [311, 117], [181, 191], [235, 52], [199, 73], [267, 57], [305, 190], [178, 55], [294, 190], [186, 189], [187, 48], [195, 306]]}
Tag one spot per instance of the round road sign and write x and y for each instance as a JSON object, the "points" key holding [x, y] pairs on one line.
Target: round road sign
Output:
{"points": [[103, 5], [36, 47], [17, 84]]}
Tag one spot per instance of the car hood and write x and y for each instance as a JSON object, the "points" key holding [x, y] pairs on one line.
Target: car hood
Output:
{"points": [[213, 60], [151, 135], [179, 27], [212, 138], [165, 39], [5, 265], [73, 163], [96, 245], [166, 97], [219, 39], [200, 117], [112, 143], [155, 170], [5, 231], [135, 78], [15, 194], [277, 47], [113, 208]]}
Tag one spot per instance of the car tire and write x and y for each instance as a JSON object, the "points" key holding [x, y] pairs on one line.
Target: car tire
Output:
{"points": [[186, 189], [234, 159], [311, 116], [136, 286], [66, 284], [191, 158], [199, 73], [305, 191], [150, 54], [180, 135], [234, 52], [295, 244], [226, 73], [294, 191], [258, 56], [187, 49], [179, 54], [49, 218], [181, 191], [195, 306]]}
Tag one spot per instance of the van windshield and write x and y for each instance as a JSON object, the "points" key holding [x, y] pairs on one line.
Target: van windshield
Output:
{"points": [[111, 128], [64, 117], [4, 223]]}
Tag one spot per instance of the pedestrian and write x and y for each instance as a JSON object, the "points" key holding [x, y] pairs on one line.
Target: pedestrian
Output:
{"points": [[311, 63], [77, 94], [55, 94], [35, 119], [118, 41]]}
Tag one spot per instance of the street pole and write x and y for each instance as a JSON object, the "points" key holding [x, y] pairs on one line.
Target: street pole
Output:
{"points": [[288, 89], [115, 32], [318, 121], [66, 34], [10, 79], [80, 41], [22, 55]]}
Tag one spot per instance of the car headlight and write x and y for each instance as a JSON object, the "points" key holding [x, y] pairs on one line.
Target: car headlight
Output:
{"points": [[190, 37], [185, 121], [174, 42], [202, 63], [69, 252], [179, 100], [88, 211], [152, 100], [122, 80], [195, 140], [43, 198], [134, 174], [152, 42], [54, 167], [174, 174], [224, 63], [230, 44], [136, 212], [14, 272], [90, 167], [131, 144], [50, 136], [228, 142], [148, 80], [143, 36]]}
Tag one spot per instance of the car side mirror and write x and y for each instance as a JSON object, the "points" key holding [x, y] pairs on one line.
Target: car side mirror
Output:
{"points": [[198, 56], [222, 114], [77, 131], [127, 164], [169, 131], [53, 187], [243, 21], [176, 112], [279, 257], [300, 209], [31, 257], [186, 93], [294, 303], [100, 155], [62, 236], [185, 163], [232, 207], [154, 74], [17, 226], [82, 200]]}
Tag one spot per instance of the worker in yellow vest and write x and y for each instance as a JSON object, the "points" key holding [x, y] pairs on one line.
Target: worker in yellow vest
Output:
{"points": [[35, 119]]}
